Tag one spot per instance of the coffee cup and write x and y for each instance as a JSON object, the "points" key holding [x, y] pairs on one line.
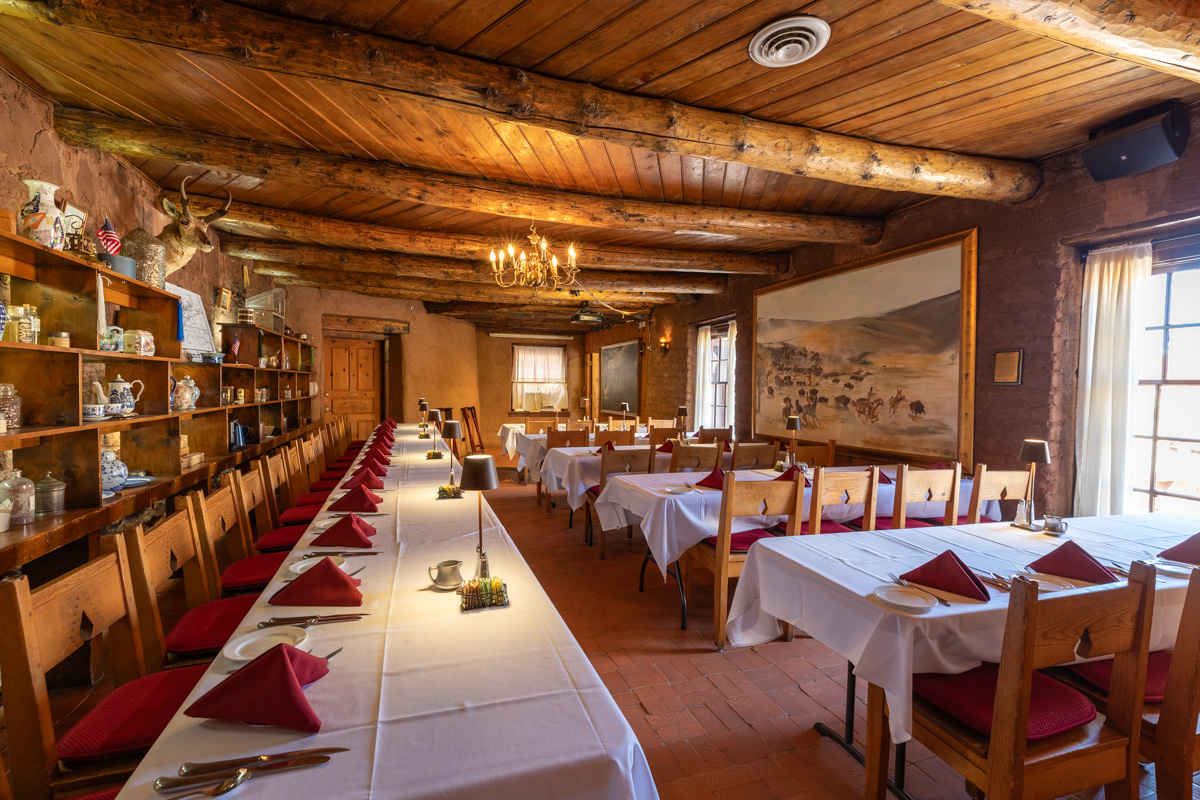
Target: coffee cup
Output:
{"points": [[1053, 524], [93, 411], [448, 576], [114, 409]]}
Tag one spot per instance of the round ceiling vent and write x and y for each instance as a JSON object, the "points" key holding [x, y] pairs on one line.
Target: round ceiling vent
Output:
{"points": [[789, 41]]}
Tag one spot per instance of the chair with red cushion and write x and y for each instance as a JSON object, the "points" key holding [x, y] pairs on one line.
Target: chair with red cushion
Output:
{"points": [[255, 502], [859, 487], [281, 492], [1010, 729], [631, 462], [992, 485], [922, 486], [724, 554], [42, 627], [754, 455], [218, 516], [154, 556]]}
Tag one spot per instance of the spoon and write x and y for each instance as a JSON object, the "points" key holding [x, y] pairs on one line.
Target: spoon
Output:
{"points": [[231, 783]]}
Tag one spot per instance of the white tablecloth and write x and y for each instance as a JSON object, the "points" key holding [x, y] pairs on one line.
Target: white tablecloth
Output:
{"points": [[432, 702], [824, 585], [672, 523], [577, 469], [508, 437]]}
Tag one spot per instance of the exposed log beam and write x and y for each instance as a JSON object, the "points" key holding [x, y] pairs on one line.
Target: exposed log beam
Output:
{"points": [[344, 322], [1158, 34], [272, 162], [250, 38], [277, 222], [437, 290], [352, 263]]}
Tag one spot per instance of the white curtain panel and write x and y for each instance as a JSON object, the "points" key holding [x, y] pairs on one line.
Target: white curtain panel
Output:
{"points": [[704, 399], [539, 378], [1112, 319], [729, 406]]}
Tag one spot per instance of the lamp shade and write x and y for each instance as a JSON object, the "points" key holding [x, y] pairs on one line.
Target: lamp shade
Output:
{"points": [[793, 424], [420, 403], [1035, 451], [585, 402], [423, 406], [479, 474], [624, 407], [681, 411], [451, 429], [435, 415]]}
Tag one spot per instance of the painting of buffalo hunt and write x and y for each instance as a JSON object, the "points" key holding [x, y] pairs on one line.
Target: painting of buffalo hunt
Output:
{"points": [[872, 354]]}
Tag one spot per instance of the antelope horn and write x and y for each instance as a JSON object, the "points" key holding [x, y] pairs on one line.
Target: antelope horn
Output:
{"points": [[183, 198], [222, 211]]}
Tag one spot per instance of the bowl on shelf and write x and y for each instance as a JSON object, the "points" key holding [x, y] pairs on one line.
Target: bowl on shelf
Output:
{"points": [[122, 264], [212, 358]]}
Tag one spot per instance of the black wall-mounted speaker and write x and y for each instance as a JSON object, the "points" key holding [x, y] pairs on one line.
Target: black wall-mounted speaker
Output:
{"points": [[1138, 142]]}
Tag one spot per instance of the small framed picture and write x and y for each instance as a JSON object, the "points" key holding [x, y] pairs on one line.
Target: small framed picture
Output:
{"points": [[225, 300], [1008, 367], [74, 217]]}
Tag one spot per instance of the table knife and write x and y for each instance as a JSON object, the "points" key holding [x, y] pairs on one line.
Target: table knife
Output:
{"points": [[307, 617], [342, 553], [309, 622], [203, 767], [172, 784]]}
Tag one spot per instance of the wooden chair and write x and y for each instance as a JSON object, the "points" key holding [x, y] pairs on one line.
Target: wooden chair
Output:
{"points": [[39, 629], [754, 455], [256, 508], [295, 462], [697, 457], [579, 425], [815, 455], [618, 438], [628, 424], [631, 462], [993, 485], [536, 425], [660, 423], [218, 517], [659, 435], [860, 487], [554, 439], [1040, 632], [724, 555], [710, 435], [279, 481], [474, 434], [923, 486]]}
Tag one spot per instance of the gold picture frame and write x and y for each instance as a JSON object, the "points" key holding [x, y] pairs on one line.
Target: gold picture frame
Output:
{"points": [[877, 354], [225, 300], [1009, 367]]}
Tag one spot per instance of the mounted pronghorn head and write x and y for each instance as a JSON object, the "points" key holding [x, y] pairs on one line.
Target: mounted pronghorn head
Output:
{"points": [[187, 234]]}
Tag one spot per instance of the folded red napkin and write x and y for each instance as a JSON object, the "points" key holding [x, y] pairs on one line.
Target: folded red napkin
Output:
{"points": [[375, 460], [883, 479], [940, 465], [667, 447], [349, 531], [948, 573], [380, 448], [788, 474], [267, 691], [360, 498], [1188, 550], [374, 467], [713, 480], [364, 477], [322, 585], [728, 449], [1069, 560], [605, 446]]}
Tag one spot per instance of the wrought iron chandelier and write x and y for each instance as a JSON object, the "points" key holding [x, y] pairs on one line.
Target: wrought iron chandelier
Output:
{"points": [[541, 269]]}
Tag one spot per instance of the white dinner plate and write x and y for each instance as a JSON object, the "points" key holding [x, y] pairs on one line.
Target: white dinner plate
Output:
{"points": [[1050, 583], [679, 490], [904, 598], [301, 567], [1176, 570], [252, 645]]}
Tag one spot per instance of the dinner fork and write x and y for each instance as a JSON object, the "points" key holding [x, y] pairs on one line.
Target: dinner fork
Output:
{"points": [[223, 788], [901, 582]]}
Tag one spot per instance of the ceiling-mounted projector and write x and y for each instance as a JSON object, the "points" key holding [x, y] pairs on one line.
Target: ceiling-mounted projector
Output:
{"points": [[586, 316]]}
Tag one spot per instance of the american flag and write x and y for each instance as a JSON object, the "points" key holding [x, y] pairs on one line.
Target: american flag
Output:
{"points": [[234, 347], [108, 237]]}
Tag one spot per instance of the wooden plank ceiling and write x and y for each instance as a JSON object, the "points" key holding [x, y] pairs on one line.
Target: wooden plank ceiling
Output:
{"points": [[906, 72]]}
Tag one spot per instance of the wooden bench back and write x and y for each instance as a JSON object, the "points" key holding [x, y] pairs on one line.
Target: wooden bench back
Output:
{"points": [[659, 435], [567, 438], [754, 455], [926, 486], [860, 487], [815, 455], [710, 435], [618, 438], [579, 425], [696, 456], [627, 424], [629, 462], [660, 423], [996, 485]]}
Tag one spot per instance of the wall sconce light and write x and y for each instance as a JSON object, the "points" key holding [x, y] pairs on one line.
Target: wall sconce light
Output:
{"points": [[664, 344]]}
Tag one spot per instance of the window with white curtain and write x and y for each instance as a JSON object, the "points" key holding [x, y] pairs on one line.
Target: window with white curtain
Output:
{"points": [[539, 378], [715, 375]]}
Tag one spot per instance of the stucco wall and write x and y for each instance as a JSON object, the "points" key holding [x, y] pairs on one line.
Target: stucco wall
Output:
{"points": [[495, 380]]}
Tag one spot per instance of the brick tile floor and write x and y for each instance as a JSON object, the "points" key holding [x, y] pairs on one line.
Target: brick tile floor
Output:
{"points": [[737, 724]]}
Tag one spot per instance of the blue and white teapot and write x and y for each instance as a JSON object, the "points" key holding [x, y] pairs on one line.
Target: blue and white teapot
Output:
{"points": [[119, 391]]}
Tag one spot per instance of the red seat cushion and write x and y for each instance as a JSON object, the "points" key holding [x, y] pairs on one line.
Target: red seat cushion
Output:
{"points": [[326, 485], [826, 527], [284, 538], [300, 515], [1054, 707], [107, 794], [358, 443], [333, 474], [961, 520], [886, 523], [594, 491], [1099, 674], [131, 717], [251, 573], [740, 542], [312, 499], [208, 626]]}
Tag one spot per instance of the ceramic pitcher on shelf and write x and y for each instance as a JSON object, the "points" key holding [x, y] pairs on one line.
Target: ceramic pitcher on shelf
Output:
{"points": [[120, 391], [41, 221], [113, 472]]}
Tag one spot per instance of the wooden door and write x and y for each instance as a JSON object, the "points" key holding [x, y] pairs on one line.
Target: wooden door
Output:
{"points": [[352, 383]]}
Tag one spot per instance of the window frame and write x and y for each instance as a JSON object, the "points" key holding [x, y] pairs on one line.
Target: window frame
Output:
{"points": [[512, 374]]}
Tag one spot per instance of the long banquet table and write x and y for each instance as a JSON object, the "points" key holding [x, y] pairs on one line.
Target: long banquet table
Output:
{"points": [[430, 701], [672, 523], [824, 586]]}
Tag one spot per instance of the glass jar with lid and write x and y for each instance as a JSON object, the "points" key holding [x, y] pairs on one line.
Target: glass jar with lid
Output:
{"points": [[49, 495], [10, 406], [19, 490], [12, 327]]}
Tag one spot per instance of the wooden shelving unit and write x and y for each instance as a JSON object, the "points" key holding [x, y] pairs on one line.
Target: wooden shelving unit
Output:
{"points": [[52, 385]]}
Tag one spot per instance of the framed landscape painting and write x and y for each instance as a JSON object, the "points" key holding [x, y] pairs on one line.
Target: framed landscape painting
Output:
{"points": [[619, 370], [878, 354]]}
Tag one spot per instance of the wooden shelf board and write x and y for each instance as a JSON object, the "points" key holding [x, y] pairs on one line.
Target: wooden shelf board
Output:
{"points": [[88, 355], [267, 331]]}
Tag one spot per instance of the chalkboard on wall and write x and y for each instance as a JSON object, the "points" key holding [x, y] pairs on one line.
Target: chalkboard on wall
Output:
{"points": [[619, 375]]}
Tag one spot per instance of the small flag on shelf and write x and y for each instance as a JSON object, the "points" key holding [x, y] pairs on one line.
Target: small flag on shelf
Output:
{"points": [[108, 237]]}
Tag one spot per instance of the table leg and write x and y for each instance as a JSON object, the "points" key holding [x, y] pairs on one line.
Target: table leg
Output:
{"points": [[877, 750]]}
